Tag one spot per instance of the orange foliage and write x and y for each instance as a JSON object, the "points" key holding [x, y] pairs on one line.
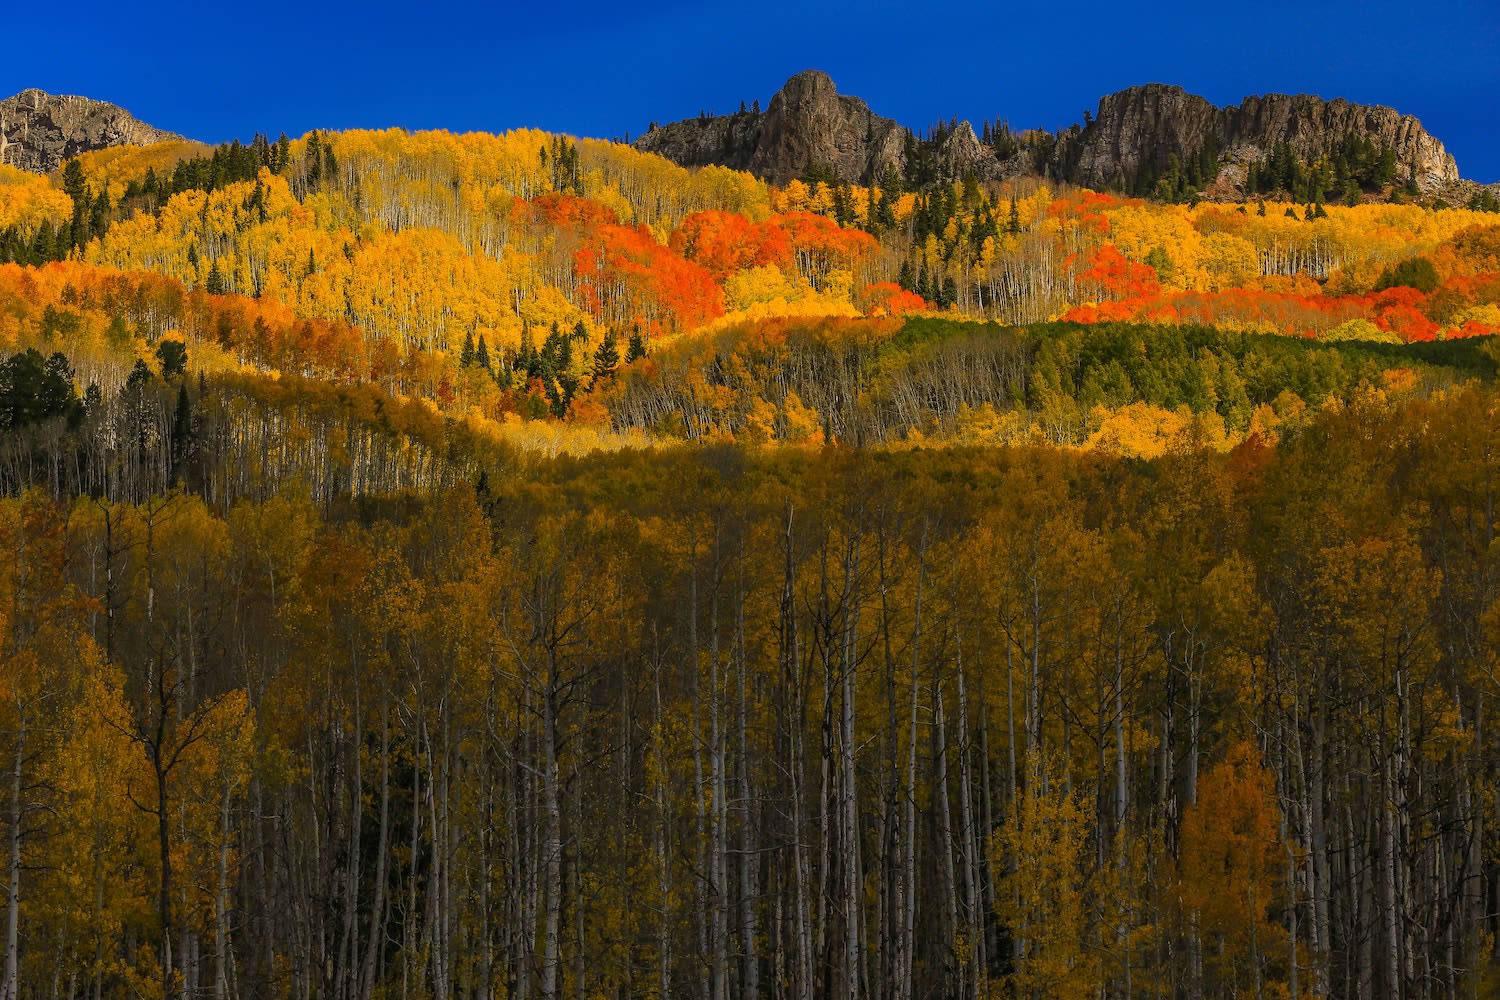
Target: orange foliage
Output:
{"points": [[820, 246], [624, 275], [1104, 312], [571, 210], [886, 298], [1086, 209], [723, 243], [1476, 250], [1397, 310], [1473, 328], [1111, 276], [260, 333]]}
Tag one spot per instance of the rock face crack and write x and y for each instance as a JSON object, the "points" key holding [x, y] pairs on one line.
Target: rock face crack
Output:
{"points": [[38, 131]]}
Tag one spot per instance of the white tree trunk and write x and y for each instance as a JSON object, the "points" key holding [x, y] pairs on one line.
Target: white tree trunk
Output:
{"points": [[10, 987]]}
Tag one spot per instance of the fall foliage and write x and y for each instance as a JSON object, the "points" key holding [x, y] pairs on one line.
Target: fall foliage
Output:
{"points": [[513, 565]]}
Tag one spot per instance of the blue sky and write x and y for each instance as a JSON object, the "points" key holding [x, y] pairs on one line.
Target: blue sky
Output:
{"points": [[215, 72]]}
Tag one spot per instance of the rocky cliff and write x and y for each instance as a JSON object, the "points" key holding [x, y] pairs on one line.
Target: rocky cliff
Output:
{"points": [[1148, 124], [809, 125], [725, 140], [38, 131]]}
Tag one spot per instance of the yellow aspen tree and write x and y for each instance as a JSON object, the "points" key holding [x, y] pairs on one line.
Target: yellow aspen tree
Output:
{"points": [[1229, 869], [1044, 899]]}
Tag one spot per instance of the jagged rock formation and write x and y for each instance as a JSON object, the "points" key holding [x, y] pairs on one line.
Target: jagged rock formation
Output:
{"points": [[1148, 124], [38, 131], [810, 123], [809, 126]]}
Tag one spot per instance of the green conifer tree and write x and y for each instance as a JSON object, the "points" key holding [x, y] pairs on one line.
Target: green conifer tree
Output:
{"points": [[182, 432], [606, 357], [636, 348]]}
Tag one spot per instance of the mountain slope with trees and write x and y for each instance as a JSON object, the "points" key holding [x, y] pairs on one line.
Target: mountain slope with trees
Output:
{"points": [[516, 565]]}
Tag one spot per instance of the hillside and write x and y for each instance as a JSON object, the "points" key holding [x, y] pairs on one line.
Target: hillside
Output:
{"points": [[552, 256], [520, 565]]}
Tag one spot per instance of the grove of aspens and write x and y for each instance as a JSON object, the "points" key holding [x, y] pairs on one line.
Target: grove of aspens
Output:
{"points": [[483, 566]]}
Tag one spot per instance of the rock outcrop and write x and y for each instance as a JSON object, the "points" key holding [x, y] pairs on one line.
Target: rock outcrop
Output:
{"points": [[1147, 124], [1134, 127], [38, 131], [810, 126], [725, 140]]}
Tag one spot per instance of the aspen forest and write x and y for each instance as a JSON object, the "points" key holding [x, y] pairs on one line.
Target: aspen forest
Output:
{"points": [[466, 566]]}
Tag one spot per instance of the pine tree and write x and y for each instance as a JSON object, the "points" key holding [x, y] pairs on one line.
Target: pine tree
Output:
{"points": [[466, 355], [606, 357], [547, 358], [314, 160], [558, 378], [45, 246], [526, 356], [140, 374], [330, 163], [843, 211], [636, 349], [890, 192], [99, 215], [182, 431], [172, 358], [1385, 170], [76, 187]]}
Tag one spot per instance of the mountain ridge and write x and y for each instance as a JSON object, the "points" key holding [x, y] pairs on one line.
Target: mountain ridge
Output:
{"points": [[1127, 132], [809, 126], [1140, 138]]}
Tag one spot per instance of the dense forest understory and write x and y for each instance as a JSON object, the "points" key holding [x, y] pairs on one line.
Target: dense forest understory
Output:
{"points": [[493, 566]]}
